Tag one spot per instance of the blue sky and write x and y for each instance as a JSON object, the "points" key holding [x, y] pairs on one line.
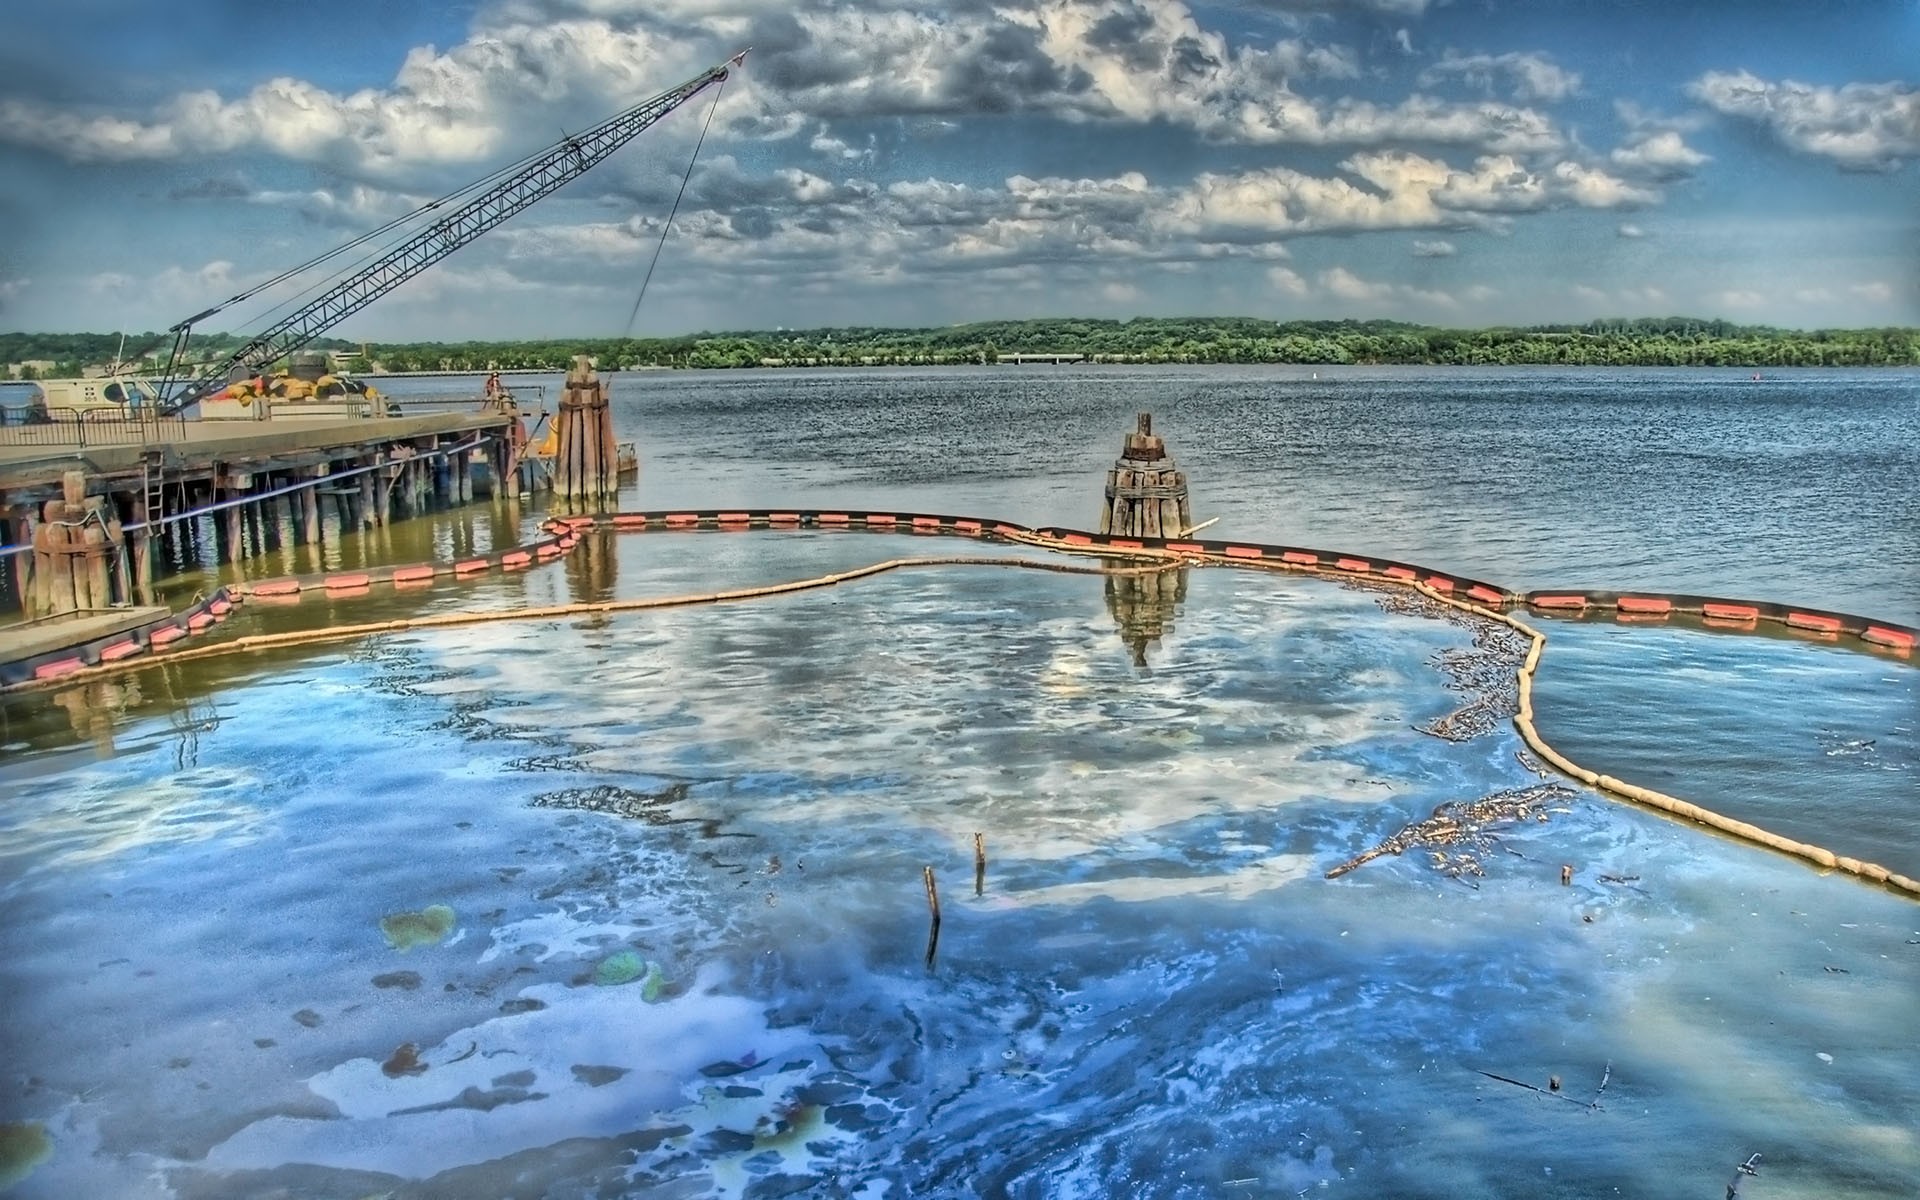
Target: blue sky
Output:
{"points": [[879, 162]]}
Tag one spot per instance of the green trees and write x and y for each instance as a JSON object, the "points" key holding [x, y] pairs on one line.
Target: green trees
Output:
{"points": [[1657, 341]]}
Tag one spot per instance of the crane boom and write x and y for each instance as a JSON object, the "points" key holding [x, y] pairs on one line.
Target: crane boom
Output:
{"points": [[539, 177]]}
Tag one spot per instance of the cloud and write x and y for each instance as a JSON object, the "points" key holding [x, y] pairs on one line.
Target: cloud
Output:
{"points": [[1400, 8], [1860, 126], [529, 67], [1435, 249], [1663, 156], [1501, 183], [1526, 77], [1345, 285], [1120, 293], [1740, 298], [832, 147], [1877, 291], [1631, 231], [792, 227], [1288, 281]]}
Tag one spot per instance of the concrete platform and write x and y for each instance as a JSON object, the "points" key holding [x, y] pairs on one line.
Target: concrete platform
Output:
{"points": [[31, 638], [191, 444]]}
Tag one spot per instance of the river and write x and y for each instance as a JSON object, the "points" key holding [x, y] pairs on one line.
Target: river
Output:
{"points": [[634, 906]]}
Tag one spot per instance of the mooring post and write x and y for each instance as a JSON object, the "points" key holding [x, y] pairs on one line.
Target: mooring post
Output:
{"points": [[1146, 495]]}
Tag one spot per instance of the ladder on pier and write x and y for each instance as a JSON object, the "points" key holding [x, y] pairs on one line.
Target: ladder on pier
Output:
{"points": [[153, 487]]}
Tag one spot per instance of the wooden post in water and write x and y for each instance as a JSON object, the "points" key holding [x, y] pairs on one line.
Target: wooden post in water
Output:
{"points": [[1146, 495], [383, 490], [310, 507], [584, 466]]}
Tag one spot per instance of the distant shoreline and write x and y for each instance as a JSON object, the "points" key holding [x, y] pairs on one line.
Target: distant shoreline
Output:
{"points": [[1142, 341]]}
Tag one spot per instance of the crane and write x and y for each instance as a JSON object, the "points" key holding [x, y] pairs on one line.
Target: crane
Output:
{"points": [[532, 179]]}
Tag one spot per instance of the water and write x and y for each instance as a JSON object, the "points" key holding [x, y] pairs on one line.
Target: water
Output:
{"points": [[682, 850]]}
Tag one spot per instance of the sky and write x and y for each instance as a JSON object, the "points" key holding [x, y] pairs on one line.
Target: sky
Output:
{"points": [[880, 162]]}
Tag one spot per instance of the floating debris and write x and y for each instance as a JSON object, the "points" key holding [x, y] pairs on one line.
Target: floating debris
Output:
{"points": [[626, 966], [405, 1061], [23, 1146], [618, 801], [1464, 826], [424, 928], [616, 969], [1489, 672]]}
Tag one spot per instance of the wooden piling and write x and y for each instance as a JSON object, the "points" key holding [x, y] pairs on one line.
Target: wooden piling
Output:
{"points": [[141, 561], [235, 549], [979, 865], [382, 491], [310, 511], [97, 538], [1146, 496], [585, 465]]}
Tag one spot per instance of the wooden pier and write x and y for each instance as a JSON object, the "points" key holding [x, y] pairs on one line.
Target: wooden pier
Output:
{"points": [[90, 500]]}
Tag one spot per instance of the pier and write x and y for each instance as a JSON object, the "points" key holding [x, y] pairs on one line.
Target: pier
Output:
{"points": [[90, 498]]}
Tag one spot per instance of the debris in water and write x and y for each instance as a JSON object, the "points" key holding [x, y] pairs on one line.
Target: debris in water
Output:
{"points": [[308, 1017], [406, 981], [594, 1076], [622, 967], [1489, 672], [424, 928], [1463, 825], [405, 1061], [652, 807], [23, 1146], [626, 966]]}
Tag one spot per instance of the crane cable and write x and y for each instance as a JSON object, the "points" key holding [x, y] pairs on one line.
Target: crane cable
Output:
{"points": [[668, 227]]}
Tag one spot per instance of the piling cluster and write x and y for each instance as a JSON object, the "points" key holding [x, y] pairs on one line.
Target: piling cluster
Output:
{"points": [[1146, 494], [76, 549], [586, 460]]}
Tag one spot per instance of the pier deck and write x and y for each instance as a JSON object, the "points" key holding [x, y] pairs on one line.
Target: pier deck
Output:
{"points": [[86, 501], [32, 472]]}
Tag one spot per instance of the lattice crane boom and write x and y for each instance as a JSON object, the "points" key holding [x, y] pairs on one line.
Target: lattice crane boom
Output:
{"points": [[539, 177]]}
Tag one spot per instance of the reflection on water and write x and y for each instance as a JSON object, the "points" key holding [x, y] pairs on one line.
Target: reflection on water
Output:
{"points": [[1144, 606], [634, 906]]}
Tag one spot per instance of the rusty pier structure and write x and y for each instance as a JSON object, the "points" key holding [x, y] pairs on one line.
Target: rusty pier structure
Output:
{"points": [[92, 504]]}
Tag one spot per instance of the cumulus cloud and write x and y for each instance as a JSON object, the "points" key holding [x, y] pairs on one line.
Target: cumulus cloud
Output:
{"points": [[526, 68], [1343, 284], [1526, 77], [1398, 8], [1663, 156], [1435, 249], [1288, 282], [792, 224], [1860, 126]]}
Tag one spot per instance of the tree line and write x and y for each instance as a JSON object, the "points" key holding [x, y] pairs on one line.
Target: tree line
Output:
{"points": [[1661, 341]]}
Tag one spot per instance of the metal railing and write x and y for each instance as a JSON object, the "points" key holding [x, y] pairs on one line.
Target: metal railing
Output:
{"points": [[77, 427]]}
